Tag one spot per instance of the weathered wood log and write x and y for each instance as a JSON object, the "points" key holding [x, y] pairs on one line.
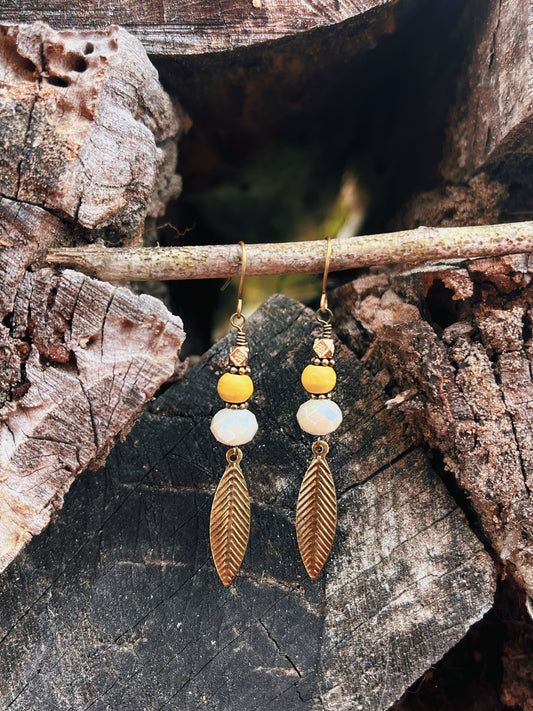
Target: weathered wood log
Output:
{"points": [[88, 132], [120, 606], [173, 27], [466, 329], [79, 359], [487, 151], [466, 377], [485, 434], [491, 121], [89, 150]]}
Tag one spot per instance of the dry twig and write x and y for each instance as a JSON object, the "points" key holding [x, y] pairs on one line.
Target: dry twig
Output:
{"points": [[218, 261]]}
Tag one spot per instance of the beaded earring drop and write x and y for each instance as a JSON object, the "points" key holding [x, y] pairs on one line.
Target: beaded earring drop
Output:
{"points": [[234, 425], [316, 509]]}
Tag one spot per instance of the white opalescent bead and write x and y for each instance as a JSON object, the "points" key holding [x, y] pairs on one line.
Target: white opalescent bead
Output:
{"points": [[319, 417], [234, 427]]}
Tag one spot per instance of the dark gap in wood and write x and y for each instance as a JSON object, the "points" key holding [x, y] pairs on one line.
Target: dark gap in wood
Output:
{"points": [[443, 309], [460, 496], [319, 101], [78, 64], [469, 677]]}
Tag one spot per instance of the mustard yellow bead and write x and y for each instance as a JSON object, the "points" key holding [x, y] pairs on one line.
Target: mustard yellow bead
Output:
{"points": [[319, 379], [235, 388]]}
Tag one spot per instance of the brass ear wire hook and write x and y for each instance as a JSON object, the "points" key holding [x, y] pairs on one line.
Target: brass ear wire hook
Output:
{"points": [[323, 309], [241, 283], [238, 320], [324, 298]]}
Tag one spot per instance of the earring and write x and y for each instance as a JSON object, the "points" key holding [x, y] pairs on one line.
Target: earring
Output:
{"points": [[234, 425], [316, 509]]}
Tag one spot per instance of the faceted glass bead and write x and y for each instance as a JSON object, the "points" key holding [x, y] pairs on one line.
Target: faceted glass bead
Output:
{"points": [[319, 417], [234, 427]]}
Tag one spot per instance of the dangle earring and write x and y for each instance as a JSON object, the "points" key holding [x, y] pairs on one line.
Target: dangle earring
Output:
{"points": [[316, 510], [234, 425]]}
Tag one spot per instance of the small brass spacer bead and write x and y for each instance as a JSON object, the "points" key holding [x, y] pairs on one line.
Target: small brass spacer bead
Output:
{"points": [[243, 406], [321, 397], [316, 361], [324, 361], [242, 370], [329, 395], [332, 362], [313, 396], [247, 370], [233, 369], [234, 407]]}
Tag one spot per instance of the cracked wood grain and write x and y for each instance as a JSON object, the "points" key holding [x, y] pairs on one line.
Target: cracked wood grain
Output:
{"points": [[120, 604], [171, 27], [490, 124], [87, 145], [112, 351]]}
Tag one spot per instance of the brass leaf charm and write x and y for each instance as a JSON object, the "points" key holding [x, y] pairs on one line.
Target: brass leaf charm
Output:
{"points": [[316, 512], [230, 519]]}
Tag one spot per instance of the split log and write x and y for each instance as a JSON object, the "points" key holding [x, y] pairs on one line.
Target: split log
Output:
{"points": [[464, 380], [88, 133], [89, 150], [491, 122], [486, 153], [120, 605], [173, 27], [79, 359]]}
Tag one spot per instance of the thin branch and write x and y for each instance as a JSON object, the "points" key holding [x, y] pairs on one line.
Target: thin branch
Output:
{"points": [[218, 261]]}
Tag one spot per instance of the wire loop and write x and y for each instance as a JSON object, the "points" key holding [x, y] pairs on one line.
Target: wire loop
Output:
{"points": [[238, 321]]}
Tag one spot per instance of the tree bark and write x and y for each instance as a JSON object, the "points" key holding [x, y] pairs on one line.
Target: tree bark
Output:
{"points": [[466, 375]]}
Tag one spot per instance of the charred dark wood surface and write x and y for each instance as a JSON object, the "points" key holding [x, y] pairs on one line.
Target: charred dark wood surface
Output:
{"points": [[118, 605], [491, 122]]}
